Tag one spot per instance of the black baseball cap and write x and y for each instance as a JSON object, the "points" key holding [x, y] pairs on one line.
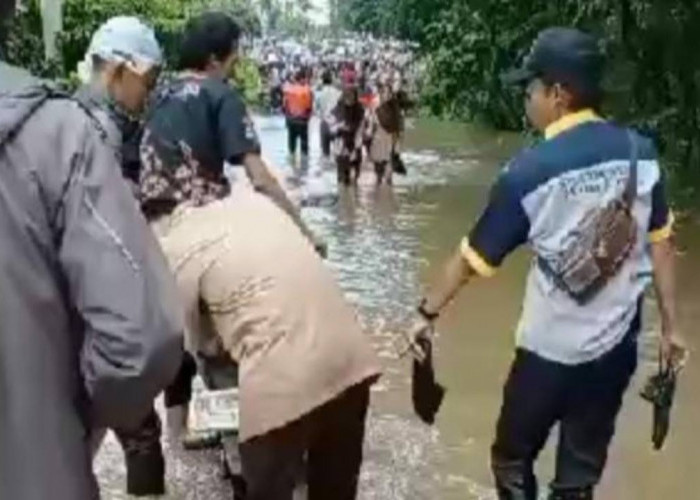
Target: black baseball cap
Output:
{"points": [[564, 55]]}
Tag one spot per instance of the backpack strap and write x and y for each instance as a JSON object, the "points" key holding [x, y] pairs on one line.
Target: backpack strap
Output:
{"points": [[631, 188], [36, 95]]}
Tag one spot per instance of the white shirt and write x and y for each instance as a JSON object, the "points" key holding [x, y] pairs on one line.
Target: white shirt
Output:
{"points": [[326, 101]]}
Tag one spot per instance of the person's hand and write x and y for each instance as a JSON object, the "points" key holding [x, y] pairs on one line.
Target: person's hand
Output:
{"points": [[674, 351], [319, 245], [421, 328]]}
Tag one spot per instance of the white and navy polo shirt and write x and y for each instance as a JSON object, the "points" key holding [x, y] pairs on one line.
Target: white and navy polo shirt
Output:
{"points": [[539, 199]]}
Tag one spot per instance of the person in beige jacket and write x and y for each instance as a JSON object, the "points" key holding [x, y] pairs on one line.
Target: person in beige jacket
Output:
{"points": [[305, 364], [253, 285]]}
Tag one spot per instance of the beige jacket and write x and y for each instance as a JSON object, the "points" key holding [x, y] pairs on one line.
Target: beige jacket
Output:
{"points": [[274, 305]]}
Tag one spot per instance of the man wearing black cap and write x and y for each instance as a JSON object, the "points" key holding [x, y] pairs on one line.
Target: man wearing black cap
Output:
{"points": [[589, 202]]}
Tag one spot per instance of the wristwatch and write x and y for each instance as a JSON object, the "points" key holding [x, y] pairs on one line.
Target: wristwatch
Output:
{"points": [[427, 315]]}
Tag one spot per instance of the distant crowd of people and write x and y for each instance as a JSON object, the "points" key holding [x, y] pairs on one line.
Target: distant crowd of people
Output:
{"points": [[355, 123], [359, 88]]}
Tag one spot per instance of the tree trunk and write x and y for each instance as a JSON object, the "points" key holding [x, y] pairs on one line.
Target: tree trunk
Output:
{"points": [[52, 23]]}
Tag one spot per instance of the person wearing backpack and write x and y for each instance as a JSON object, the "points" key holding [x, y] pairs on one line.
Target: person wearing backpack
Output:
{"points": [[589, 201], [116, 42], [91, 328]]}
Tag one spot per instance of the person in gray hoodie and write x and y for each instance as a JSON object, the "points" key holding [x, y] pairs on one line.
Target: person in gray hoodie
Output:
{"points": [[91, 328]]}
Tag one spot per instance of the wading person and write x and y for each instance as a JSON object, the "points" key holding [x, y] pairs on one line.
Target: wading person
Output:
{"points": [[298, 107], [91, 330], [589, 201], [326, 101], [384, 127], [346, 127], [119, 70]]}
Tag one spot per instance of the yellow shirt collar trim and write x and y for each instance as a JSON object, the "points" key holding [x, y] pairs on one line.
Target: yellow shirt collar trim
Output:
{"points": [[570, 121]]}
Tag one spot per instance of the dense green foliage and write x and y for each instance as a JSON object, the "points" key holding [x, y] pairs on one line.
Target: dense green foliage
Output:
{"points": [[247, 78], [653, 78], [82, 17], [654, 70]]}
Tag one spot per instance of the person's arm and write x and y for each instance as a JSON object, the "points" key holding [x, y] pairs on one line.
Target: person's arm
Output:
{"points": [[455, 274], [264, 182], [673, 348], [120, 286], [240, 146], [502, 227], [664, 262]]}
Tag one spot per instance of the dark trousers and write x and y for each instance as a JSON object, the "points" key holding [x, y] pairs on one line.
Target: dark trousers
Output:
{"points": [[584, 399], [326, 139], [380, 170], [330, 438], [179, 392], [348, 170], [145, 464], [298, 131]]}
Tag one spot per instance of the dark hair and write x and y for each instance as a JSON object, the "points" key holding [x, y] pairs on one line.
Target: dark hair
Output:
{"points": [[212, 34], [589, 95], [327, 78], [352, 114]]}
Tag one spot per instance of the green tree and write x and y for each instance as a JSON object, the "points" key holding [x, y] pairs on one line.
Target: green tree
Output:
{"points": [[81, 18], [654, 71]]}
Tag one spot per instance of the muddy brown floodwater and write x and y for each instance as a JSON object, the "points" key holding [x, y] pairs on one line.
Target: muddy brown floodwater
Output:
{"points": [[383, 244]]}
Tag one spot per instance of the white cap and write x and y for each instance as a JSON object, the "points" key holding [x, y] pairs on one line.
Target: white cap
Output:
{"points": [[123, 39]]}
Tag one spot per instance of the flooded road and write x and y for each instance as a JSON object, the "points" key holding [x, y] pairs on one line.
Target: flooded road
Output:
{"points": [[383, 243]]}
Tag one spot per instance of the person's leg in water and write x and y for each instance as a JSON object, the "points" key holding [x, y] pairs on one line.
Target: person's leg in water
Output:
{"points": [[292, 137], [325, 139], [271, 462], [335, 450], [588, 424], [145, 463], [356, 164], [389, 175], [343, 166], [304, 138], [178, 396], [143, 451], [380, 170], [532, 400], [355, 169]]}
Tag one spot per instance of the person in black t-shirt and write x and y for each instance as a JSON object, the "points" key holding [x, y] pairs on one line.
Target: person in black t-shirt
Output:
{"points": [[197, 123]]}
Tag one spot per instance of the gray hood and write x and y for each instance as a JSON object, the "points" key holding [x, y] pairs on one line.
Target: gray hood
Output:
{"points": [[13, 79], [18, 107]]}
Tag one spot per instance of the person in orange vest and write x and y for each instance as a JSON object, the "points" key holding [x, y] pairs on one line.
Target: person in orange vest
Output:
{"points": [[298, 106]]}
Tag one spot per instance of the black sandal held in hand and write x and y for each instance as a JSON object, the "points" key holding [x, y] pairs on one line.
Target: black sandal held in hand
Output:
{"points": [[427, 393], [660, 391]]}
